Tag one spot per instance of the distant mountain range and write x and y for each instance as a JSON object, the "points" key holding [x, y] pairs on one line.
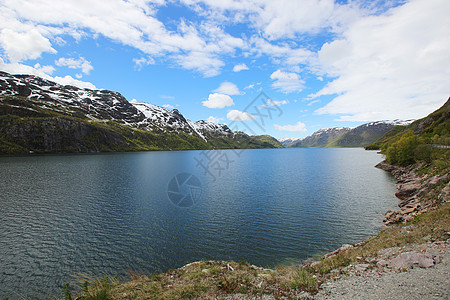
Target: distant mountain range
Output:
{"points": [[345, 136], [42, 116]]}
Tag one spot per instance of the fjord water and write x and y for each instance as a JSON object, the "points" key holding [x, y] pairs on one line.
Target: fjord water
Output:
{"points": [[62, 215]]}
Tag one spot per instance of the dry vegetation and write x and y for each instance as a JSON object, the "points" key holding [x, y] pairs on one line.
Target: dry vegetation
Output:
{"points": [[218, 279]]}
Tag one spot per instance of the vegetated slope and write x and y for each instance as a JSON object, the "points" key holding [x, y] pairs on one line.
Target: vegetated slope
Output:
{"points": [[422, 140], [436, 125], [288, 142], [268, 140], [345, 136], [44, 117]]}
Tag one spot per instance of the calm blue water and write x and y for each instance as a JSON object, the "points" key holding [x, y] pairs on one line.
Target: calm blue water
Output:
{"points": [[109, 213]]}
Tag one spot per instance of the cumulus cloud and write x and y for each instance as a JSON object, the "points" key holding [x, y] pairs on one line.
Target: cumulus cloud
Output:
{"points": [[228, 88], [44, 72], [390, 66], [217, 100], [213, 119], [287, 82], [240, 67], [236, 115], [299, 127], [20, 46], [195, 46], [168, 106], [69, 80], [75, 63]]}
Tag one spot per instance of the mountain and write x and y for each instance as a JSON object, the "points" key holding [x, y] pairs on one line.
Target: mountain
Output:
{"points": [[287, 142], [347, 137], [268, 140], [432, 129], [42, 116]]}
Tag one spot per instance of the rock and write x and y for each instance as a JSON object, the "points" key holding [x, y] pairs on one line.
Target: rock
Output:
{"points": [[407, 190], [382, 263], [385, 166], [341, 249], [362, 267], [444, 196], [407, 211], [412, 259]]}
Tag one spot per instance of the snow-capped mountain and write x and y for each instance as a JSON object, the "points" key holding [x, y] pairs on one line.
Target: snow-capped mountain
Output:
{"points": [[101, 105], [36, 96], [287, 142], [347, 136]]}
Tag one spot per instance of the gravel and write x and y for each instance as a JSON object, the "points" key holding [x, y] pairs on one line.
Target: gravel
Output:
{"points": [[417, 283]]}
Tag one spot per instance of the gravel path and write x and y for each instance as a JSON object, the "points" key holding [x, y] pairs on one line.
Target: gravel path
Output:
{"points": [[417, 283]]}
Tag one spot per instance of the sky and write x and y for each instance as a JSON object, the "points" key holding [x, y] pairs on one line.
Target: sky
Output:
{"points": [[285, 68]]}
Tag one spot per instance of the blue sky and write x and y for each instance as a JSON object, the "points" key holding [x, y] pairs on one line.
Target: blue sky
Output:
{"points": [[321, 63]]}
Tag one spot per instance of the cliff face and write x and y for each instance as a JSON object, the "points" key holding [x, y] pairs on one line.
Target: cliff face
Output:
{"points": [[42, 116]]}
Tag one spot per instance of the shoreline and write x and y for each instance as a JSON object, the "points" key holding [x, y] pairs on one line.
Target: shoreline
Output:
{"points": [[417, 238]]}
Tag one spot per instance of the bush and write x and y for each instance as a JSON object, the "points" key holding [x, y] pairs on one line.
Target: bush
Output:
{"points": [[423, 152], [403, 150]]}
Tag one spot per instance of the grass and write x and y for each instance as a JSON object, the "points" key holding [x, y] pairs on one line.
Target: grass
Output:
{"points": [[216, 279], [219, 279]]}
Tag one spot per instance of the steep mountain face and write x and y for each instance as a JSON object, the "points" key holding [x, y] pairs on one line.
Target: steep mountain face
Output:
{"points": [[42, 116], [348, 137]]}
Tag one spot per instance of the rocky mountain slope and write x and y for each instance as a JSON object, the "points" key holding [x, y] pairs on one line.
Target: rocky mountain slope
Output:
{"points": [[345, 136], [42, 116]]}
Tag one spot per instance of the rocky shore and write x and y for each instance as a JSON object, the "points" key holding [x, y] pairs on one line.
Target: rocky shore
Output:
{"points": [[411, 270], [409, 259], [413, 191]]}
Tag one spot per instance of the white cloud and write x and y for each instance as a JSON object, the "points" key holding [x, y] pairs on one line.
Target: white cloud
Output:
{"points": [[207, 64], [168, 106], [20, 46], [72, 63], [236, 115], [240, 67], [141, 62], [390, 66], [217, 100], [277, 103], [271, 102], [69, 80], [287, 82], [43, 71], [213, 119], [197, 46], [228, 88], [299, 127]]}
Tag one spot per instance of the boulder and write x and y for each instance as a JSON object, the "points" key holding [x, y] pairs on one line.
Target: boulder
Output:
{"points": [[407, 190], [412, 259]]}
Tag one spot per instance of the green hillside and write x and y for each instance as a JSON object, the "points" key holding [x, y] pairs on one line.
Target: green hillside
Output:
{"points": [[424, 139]]}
